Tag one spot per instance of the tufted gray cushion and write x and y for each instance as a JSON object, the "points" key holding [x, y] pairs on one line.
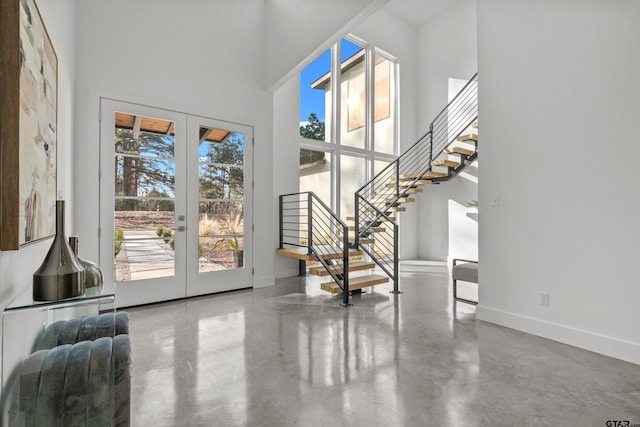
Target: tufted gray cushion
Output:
{"points": [[69, 383], [99, 410], [76, 386], [49, 396], [85, 329], [123, 366], [30, 372]]}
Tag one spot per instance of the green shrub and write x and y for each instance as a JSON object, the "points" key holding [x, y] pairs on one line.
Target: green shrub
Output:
{"points": [[117, 245], [165, 233]]}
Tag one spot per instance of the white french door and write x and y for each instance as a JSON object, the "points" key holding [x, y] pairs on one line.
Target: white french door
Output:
{"points": [[219, 203], [175, 203]]}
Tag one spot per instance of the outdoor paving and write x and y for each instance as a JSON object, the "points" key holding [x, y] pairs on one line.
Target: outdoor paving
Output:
{"points": [[147, 259], [150, 259]]}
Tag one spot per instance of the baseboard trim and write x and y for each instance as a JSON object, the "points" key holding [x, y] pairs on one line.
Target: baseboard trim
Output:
{"points": [[608, 346]]}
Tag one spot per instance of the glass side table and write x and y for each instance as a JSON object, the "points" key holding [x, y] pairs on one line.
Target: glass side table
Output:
{"points": [[28, 326]]}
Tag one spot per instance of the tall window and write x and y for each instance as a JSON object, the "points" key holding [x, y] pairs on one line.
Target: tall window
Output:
{"points": [[348, 124]]}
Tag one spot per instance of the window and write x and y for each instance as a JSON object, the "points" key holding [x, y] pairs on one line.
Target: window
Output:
{"points": [[348, 127]]}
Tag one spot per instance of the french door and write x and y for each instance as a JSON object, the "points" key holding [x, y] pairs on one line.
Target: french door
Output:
{"points": [[175, 203]]}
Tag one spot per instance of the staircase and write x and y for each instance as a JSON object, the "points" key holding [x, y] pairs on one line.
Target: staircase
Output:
{"points": [[310, 231]]}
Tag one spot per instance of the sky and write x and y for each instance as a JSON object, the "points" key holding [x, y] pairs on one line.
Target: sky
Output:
{"points": [[312, 100]]}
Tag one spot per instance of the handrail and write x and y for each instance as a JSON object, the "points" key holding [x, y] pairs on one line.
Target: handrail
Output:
{"points": [[304, 214], [472, 80], [409, 168]]}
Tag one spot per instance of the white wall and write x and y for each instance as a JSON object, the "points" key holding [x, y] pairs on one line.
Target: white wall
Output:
{"points": [[447, 48], [296, 30], [558, 96], [286, 158], [204, 58], [17, 267]]}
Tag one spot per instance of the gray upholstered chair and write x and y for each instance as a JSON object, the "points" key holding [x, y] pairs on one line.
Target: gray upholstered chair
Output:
{"points": [[77, 368]]}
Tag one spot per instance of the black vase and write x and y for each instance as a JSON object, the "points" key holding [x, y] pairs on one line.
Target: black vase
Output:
{"points": [[60, 275]]}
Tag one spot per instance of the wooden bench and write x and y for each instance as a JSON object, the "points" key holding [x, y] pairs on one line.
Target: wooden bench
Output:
{"points": [[467, 271]]}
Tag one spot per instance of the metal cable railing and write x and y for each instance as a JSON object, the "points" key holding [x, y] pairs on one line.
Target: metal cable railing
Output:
{"points": [[307, 222], [456, 117], [378, 199]]}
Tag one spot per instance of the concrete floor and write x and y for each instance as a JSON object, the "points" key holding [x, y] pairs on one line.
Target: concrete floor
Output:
{"points": [[291, 356]]}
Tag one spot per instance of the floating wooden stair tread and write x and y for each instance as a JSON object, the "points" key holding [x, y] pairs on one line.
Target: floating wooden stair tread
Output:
{"points": [[363, 241], [390, 199], [459, 150], [432, 174], [370, 230], [381, 219], [386, 219], [408, 182], [337, 269], [389, 209], [406, 200], [409, 176], [328, 252], [379, 254], [355, 283], [475, 124], [469, 137], [446, 162], [412, 190]]}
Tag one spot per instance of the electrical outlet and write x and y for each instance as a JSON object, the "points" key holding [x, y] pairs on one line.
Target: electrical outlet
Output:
{"points": [[544, 298]]}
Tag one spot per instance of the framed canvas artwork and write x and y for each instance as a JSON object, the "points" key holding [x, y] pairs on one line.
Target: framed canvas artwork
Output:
{"points": [[28, 126]]}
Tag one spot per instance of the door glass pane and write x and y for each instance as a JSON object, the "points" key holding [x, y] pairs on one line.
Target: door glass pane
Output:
{"points": [[384, 106], [315, 173], [144, 204], [352, 177], [353, 94], [315, 98], [221, 200]]}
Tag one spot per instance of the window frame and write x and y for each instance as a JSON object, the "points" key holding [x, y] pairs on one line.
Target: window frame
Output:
{"points": [[333, 146]]}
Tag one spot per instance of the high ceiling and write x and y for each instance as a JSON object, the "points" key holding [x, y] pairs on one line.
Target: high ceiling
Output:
{"points": [[417, 12]]}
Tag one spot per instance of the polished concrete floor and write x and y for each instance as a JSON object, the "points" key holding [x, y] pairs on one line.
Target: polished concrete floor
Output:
{"points": [[291, 356]]}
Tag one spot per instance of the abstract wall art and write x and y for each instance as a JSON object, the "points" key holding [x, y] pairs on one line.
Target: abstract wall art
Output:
{"points": [[28, 126]]}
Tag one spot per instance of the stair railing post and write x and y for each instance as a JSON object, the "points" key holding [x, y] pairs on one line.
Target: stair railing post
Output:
{"points": [[356, 221], [396, 274], [309, 222], [345, 266], [281, 210], [398, 177]]}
